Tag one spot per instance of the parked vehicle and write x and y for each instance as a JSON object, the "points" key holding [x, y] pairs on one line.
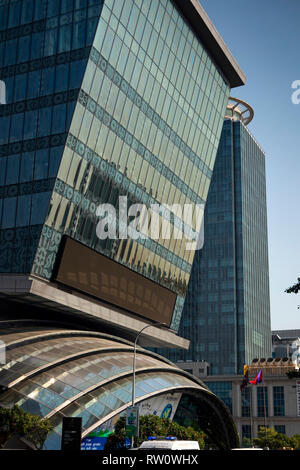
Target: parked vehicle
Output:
{"points": [[168, 443]]}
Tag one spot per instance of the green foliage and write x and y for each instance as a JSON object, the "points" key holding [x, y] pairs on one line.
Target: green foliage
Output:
{"points": [[16, 422], [151, 425], [295, 288], [296, 441], [246, 442], [293, 374], [268, 437]]}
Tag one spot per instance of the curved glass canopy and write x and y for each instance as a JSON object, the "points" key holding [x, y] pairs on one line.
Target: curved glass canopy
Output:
{"points": [[55, 373]]}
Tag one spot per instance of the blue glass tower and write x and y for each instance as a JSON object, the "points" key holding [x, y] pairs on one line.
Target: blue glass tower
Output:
{"points": [[106, 99], [227, 313]]}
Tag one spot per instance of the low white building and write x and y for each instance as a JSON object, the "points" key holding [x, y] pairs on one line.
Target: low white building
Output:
{"points": [[274, 403]]}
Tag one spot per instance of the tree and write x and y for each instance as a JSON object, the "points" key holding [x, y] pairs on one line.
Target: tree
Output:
{"points": [[295, 288], [152, 425], [269, 438], [16, 422], [292, 374], [296, 441]]}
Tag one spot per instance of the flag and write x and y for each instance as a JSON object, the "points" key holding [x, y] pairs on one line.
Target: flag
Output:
{"points": [[258, 378], [245, 378]]}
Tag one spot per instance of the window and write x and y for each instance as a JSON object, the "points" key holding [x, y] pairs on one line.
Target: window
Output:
{"points": [[20, 87], [40, 10], [76, 73], [14, 14], [34, 84], [24, 49], [280, 428], [59, 122], [47, 84], [16, 129], [9, 212], [37, 45], [246, 403], [26, 167], [223, 390], [50, 42], [13, 164], [40, 203], [10, 52], [23, 212], [55, 157], [262, 401], [62, 77], [41, 164], [64, 41], [79, 35], [2, 168], [44, 125], [278, 401], [53, 8], [246, 432], [30, 124]]}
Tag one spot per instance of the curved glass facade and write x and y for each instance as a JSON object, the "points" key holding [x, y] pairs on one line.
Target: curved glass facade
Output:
{"points": [[87, 376]]}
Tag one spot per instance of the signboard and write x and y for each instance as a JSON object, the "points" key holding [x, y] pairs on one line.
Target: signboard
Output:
{"points": [[132, 421], [164, 406], [71, 434], [298, 397], [93, 443], [90, 272]]}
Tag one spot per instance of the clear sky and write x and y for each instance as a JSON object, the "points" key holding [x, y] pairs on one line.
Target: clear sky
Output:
{"points": [[264, 38]]}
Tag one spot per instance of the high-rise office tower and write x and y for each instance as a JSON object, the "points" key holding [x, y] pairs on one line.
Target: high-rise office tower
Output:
{"points": [[100, 99], [227, 313]]}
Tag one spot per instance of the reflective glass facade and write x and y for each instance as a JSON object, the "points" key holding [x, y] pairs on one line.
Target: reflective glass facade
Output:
{"points": [[104, 98], [44, 48], [224, 391], [227, 312]]}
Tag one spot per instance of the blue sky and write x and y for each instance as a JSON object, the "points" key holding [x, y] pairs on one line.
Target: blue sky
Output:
{"points": [[264, 38]]}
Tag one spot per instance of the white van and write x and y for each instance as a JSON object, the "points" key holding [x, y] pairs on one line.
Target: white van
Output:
{"points": [[169, 444]]}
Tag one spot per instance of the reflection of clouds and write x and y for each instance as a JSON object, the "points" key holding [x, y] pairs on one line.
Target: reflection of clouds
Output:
{"points": [[2, 92]]}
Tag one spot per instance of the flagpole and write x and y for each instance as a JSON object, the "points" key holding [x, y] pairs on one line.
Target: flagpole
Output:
{"points": [[251, 417], [265, 411]]}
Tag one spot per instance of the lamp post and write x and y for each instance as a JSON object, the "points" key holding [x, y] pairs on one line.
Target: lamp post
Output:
{"points": [[134, 362]]}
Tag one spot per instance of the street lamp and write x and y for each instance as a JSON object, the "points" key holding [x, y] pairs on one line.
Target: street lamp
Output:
{"points": [[134, 362]]}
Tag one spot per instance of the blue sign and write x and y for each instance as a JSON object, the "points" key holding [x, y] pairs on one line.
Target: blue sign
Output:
{"points": [[93, 443]]}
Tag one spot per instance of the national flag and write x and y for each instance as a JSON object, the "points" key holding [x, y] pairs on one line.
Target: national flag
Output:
{"points": [[245, 378], [258, 378]]}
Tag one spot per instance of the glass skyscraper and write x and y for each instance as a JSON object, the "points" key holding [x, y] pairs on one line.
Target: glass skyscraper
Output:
{"points": [[105, 99], [227, 313], [102, 99]]}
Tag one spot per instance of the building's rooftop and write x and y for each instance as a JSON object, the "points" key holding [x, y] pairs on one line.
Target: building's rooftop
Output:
{"points": [[286, 334], [211, 39], [239, 110]]}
